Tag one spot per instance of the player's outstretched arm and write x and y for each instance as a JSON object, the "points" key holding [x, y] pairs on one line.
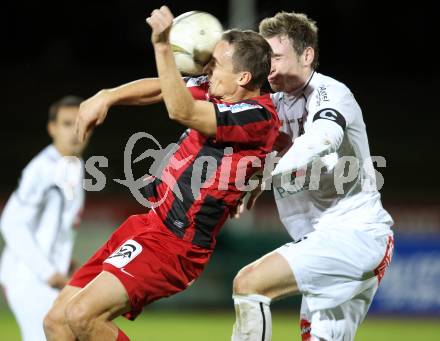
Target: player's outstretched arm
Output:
{"points": [[140, 92], [181, 106], [93, 111]]}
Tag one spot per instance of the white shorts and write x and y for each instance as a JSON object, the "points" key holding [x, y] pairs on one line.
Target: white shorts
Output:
{"points": [[337, 271], [30, 302]]}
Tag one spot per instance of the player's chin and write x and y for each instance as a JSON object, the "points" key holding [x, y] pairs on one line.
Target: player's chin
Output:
{"points": [[275, 86], [77, 149], [212, 92]]}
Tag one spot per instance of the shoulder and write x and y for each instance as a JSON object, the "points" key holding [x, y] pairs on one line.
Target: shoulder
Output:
{"points": [[276, 97], [39, 161], [37, 176], [326, 91], [266, 101], [41, 167], [195, 81], [198, 87], [333, 100], [261, 105]]}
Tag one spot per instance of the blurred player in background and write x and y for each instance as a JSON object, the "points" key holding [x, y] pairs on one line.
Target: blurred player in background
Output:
{"points": [[342, 237], [161, 253], [37, 223]]}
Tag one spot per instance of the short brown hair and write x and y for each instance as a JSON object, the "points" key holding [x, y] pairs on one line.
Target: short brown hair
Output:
{"points": [[301, 30], [66, 101], [252, 53]]}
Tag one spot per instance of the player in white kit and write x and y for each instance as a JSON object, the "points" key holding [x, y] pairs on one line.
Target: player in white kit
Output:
{"points": [[37, 223], [342, 237]]}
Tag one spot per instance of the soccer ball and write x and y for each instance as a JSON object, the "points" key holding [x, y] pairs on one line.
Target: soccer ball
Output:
{"points": [[193, 37]]}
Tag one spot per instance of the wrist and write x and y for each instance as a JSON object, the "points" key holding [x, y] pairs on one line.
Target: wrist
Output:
{"points": [[162, 47], [109, 97]]}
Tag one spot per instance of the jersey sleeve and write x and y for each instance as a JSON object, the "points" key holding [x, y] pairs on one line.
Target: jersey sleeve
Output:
{"points": [[19, 220], [32, 185], [244, 122], [334, 103], [332, 108], [198, 87], [322, 138]]}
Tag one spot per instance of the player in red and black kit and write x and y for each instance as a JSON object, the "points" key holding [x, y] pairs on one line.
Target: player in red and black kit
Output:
{"points": [[160, 253]]}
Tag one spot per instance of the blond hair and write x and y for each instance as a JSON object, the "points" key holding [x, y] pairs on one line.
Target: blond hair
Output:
{"points": [[300, 29]]}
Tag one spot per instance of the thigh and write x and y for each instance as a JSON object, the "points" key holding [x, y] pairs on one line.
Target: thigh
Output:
{"points": [[104, 297], [59, 305], [270, 275], [333, 266]]}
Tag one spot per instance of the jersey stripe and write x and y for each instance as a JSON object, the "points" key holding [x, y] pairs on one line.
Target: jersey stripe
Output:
{"points": [[230, 118], [177, 220]]}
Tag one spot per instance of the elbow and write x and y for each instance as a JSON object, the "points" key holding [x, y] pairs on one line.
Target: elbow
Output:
{"points": [[179, 114], [173, 115]]}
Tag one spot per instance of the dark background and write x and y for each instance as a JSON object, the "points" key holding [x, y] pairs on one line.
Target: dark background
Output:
{"points": [[385, 53]]}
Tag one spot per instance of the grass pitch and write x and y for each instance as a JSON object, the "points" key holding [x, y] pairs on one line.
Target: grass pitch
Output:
{"points": [[216, 326]]}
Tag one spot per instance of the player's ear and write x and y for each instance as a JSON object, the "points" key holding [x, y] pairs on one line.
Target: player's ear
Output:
{"points": [[244, 78], [308, 56], [51, 128]]}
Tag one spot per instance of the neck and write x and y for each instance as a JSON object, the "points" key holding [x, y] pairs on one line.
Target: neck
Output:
{"points": [[64, 152], [241, 95], [301, 80]]}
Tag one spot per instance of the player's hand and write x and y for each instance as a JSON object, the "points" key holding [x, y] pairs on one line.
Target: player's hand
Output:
{"points": [[57, 281], [73, 266], [160, 22], [237, 210], [253, 196], [92, 112]]}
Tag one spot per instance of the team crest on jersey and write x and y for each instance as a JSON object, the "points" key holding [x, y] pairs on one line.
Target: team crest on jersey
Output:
{"points": [[237, 107], [124, 254]]}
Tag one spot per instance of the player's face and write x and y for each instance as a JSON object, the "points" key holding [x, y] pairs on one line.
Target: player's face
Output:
{"points": [[220, 71], [63, 133], [286, 65]]}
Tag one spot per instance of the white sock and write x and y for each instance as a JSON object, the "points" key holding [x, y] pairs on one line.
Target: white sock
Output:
{"points": [[253, 319]]}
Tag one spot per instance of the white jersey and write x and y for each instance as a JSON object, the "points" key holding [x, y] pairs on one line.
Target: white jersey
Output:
{"points": [[324, 103], [38, 218]]}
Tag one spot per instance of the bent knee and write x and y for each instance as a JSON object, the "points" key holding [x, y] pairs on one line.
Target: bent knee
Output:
{"points": [[77, 315], [246, 282], [54, 319], [51, 322]]}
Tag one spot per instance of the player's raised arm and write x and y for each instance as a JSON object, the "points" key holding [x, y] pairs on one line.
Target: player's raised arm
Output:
{"points": [[180, 104]]}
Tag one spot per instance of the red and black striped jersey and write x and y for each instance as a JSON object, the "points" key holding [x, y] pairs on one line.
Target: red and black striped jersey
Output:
{"points": [[203, 177]]}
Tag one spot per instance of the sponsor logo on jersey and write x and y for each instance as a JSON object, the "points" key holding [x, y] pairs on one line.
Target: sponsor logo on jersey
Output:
{"points": [[179, 224], [124, 254], [322, 95], [237, 107]]}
